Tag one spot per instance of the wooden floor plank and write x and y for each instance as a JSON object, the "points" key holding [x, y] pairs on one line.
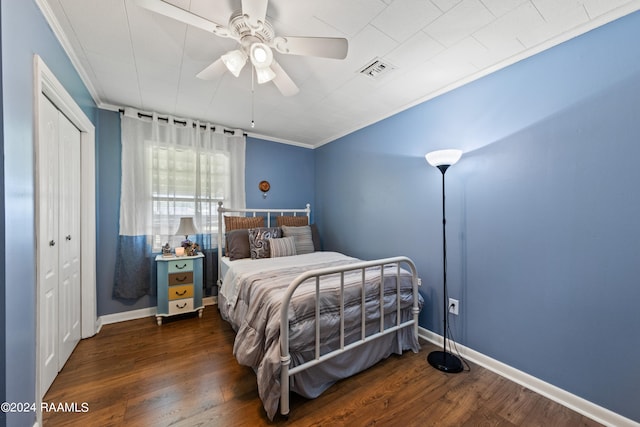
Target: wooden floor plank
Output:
{"points": [[183, 373]]}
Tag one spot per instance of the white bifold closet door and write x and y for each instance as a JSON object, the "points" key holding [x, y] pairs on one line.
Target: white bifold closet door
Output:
{"points": [[59, 251]]}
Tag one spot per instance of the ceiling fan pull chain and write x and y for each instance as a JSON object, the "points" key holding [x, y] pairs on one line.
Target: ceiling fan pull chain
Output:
{"points": [[253, 124]]}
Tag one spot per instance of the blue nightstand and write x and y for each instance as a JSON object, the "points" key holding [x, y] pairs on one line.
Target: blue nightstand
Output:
{"points": [[179, 285]]}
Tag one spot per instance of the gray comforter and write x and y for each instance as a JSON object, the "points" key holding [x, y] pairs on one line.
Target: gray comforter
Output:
{"points": [[251, 302]]}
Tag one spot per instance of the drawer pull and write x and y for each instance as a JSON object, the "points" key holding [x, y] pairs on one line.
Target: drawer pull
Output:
{"points": [[181, 306], [180, 268], [181, 279], [181, 293]]}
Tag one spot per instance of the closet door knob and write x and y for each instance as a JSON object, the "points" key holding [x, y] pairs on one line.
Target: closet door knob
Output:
{"points": [[52, 243], [68, 237]]}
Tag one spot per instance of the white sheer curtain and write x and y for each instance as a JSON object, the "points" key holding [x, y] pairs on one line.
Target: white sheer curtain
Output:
{"points": [[172, 168]]}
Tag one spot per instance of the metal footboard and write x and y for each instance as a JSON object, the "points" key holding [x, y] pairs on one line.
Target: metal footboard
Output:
{"points": [[285, 358]]}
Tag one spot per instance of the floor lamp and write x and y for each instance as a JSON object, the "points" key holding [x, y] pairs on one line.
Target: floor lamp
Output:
{"points": [[443, 360]]}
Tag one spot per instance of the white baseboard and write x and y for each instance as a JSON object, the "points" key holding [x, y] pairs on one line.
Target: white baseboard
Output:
{"points": [[98, 325], [141, 313], [563, 397], [128, 315]]}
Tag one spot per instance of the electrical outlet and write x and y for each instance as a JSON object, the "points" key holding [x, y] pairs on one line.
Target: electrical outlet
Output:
{"points": [[454, 306]]}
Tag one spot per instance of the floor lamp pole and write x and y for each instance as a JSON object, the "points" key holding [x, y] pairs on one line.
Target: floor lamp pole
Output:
{"points": [[443, 360], [443, 169]]}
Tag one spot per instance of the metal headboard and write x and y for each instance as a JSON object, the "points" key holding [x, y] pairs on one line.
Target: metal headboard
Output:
{"points": [[266, 212]]}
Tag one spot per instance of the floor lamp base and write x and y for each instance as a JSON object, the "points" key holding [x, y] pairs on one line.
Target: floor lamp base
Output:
{"points": [[445, 362]]}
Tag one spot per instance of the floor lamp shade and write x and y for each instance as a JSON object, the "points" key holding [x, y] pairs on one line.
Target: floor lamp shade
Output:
{"points": [[443, 157], [444, 360]]}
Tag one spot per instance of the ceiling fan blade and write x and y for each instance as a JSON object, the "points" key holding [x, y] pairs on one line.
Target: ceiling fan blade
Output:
{"points": [[213, 71], [283, 82], [325, 47], [182, 15], [256, 10]]}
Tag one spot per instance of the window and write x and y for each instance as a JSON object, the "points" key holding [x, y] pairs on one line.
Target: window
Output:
{"points": [[186, 183], [173, 169]]}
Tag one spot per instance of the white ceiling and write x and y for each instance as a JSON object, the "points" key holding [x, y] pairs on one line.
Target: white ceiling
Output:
{"points": [[131, 57]]}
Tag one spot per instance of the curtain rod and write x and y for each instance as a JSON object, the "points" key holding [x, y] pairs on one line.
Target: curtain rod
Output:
{"points": [[181, 122]]}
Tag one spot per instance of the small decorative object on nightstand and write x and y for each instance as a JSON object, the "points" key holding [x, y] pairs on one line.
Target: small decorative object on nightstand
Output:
{"points": [[166, 250], [179, 285]]}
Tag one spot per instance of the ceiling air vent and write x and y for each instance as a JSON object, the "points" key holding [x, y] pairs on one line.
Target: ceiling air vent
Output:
{"points": [[377, 68]]}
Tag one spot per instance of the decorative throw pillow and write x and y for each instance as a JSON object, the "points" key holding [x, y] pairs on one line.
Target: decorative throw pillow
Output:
{"points": [[239, 222], [292, 221], [238, 244], [302, 238], [259, 240], [284, 246], [315, 236]]}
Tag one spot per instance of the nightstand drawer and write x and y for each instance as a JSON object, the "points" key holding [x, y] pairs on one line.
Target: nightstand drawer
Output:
{"points": [[180, 265], [181, 306], [180, 291], [181, 278]]}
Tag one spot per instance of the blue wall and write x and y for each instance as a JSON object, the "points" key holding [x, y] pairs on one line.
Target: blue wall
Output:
{"points": [[542, 211], [289, 169], [24, 33]]}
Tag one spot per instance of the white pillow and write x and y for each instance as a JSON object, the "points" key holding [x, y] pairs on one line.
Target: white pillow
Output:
{"points": [[302, 238], [284, 246]]}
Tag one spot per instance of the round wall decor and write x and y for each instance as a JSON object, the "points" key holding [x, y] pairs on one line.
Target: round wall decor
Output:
{"points": [[264, 186]]}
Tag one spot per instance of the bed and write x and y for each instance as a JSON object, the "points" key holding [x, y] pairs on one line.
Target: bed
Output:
{"points": [[274, 301]]}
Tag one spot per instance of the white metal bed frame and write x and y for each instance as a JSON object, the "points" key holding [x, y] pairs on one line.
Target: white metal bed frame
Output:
{"points": [[285, 359]]}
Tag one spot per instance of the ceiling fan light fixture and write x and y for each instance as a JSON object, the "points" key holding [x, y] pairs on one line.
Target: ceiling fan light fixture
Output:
{"points": [[235, 60], [251, 29], [261, 55], [265, 75]]}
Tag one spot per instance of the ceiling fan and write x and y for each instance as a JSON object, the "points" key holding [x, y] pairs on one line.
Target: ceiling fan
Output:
{"points": [[257, 39]]}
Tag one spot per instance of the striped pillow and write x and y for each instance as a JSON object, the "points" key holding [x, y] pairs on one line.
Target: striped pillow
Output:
{"points": [[284, 246], [302, 238]]}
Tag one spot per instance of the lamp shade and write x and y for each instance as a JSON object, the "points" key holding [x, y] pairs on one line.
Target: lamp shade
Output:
{"points": [[186, 227], [234, 61], [261, 55], [443, 157], [265, 75]]}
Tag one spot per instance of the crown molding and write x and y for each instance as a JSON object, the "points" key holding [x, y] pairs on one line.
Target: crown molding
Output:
{"points": [[55, 26]]}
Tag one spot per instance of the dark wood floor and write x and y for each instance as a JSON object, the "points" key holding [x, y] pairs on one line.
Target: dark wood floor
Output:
{"points": [[183, 373]]}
